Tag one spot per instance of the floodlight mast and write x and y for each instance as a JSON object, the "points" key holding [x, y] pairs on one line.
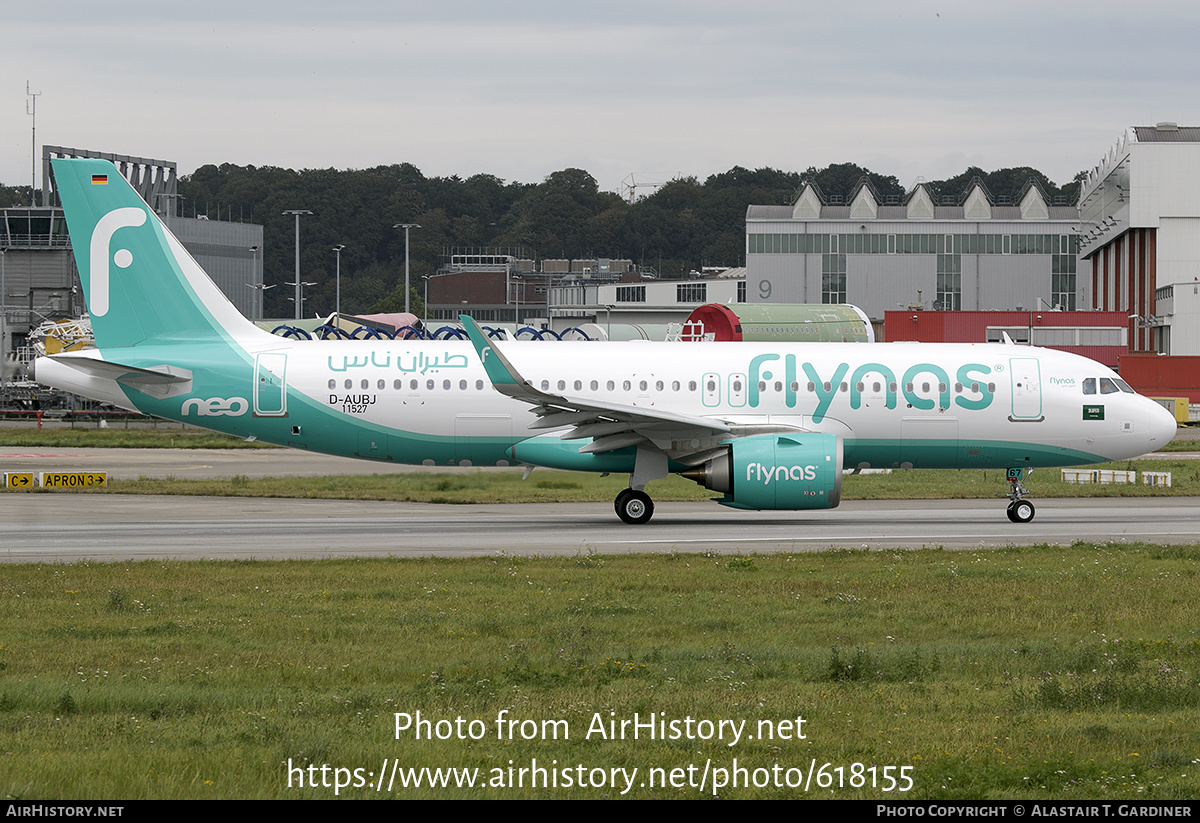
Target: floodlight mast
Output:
{"points": [[296, 283], [406, 227], [338, 304]]}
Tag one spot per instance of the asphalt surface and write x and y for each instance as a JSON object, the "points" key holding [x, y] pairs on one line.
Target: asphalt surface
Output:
{"points": [[67, 527]]}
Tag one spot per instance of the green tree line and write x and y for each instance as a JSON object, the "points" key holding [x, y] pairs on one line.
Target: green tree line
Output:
{"points": [[685, 224]]}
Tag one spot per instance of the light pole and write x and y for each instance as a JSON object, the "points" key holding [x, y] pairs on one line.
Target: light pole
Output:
{"points": [[406, 227], [297, 213], [517, 311], [3, 327], [425, 277], [257, 286], [299, 298], [337, 310]]}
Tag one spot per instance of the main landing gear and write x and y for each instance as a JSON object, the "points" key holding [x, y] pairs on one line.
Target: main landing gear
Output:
{"points": [[1020, 510], [634, 507]]}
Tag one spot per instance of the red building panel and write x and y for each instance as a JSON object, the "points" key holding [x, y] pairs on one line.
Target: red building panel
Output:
{"points": [[1163, 376], [972, 327]]}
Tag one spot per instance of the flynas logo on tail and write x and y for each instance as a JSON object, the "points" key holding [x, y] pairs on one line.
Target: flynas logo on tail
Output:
{"points": [[102, 236]]}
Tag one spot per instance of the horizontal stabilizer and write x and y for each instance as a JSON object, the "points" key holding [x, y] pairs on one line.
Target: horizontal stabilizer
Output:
{"points": [[159, 381]]}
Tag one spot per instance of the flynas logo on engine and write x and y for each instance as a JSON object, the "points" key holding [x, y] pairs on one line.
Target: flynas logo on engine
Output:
{"points": [[971, 392], [765, 474]]}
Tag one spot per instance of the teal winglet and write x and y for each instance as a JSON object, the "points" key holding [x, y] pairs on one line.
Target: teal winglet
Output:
{"points": [[501, 372]]}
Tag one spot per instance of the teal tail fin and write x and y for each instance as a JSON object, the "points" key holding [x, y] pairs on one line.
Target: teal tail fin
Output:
{"points": [[140, 283]]}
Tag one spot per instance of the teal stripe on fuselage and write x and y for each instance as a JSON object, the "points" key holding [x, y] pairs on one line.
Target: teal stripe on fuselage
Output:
{"points": [[957, 454]]}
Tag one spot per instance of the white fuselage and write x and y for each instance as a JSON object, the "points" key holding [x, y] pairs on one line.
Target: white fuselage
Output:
{"points": [[901, 404]]}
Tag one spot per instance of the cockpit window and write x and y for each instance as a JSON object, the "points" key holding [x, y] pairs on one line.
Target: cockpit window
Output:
{"points": [[1089, 385], [1108, 386]]}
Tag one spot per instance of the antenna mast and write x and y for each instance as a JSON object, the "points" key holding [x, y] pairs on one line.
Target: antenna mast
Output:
{"points": [[31, 109]]}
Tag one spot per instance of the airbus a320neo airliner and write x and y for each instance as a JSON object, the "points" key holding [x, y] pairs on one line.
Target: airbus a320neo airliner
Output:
{"points": [[766, 426]]}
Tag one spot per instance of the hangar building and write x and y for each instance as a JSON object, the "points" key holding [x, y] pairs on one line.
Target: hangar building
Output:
{"points": [[973, 252]]}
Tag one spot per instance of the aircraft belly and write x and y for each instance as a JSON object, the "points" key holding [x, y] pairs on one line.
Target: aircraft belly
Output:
{"points": [[929, 441]]}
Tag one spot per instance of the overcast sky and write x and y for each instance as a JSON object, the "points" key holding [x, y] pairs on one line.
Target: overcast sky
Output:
{"points": [[658, 89]]}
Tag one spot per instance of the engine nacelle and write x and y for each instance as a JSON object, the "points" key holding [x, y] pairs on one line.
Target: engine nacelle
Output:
{"points": [[776, 471]]}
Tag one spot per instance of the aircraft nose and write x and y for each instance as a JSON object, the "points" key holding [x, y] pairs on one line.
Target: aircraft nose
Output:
{"points": [[1161, 426]]}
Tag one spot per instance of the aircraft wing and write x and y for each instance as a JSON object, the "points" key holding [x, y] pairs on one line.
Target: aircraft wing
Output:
{"points": [[686, 438]]}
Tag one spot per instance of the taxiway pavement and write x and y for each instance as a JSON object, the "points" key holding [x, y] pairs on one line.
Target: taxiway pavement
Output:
{"points": [[69, 527]]}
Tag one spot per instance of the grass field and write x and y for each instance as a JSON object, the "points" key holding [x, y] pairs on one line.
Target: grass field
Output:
{"points": [[1037, 672], [545, 486], [1023, 673], [167, 437]]}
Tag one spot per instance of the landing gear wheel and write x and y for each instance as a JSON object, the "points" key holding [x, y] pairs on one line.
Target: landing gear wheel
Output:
{"points": [[634, 507], [620, 501], [1020, 511]]}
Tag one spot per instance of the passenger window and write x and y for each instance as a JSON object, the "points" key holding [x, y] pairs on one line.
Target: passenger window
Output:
{"points": [[382, 384], [462, 384], [478, 385], [611, 385], [397, 385], [595, 385], [349, 384], [412, 384], [429, 385], [332, 383], [366, 384]]}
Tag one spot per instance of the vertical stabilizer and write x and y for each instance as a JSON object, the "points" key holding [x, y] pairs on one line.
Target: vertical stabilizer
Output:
{"points": [[140, 283]]}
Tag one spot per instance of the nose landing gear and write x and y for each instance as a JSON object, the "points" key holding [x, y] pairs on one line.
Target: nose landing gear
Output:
{"points": [[1020, 510]]}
